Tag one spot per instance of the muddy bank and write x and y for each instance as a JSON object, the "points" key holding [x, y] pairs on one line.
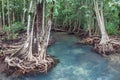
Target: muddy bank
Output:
{"points": [[95, 40]]}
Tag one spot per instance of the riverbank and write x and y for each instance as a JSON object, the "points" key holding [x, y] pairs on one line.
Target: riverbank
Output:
{"points": [[10, 46], [7, 47], [95, 40]]}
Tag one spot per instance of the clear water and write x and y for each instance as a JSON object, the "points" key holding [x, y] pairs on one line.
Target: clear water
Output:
{"points": [[77, 62]]}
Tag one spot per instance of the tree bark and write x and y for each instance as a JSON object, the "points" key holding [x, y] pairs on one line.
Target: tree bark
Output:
{"points": [[3, 13], [8, 9], [43, 19], [33, 55], [119, 21], [29, 18], [104, 45], [13, 13], [24, 11], [0, 23]]}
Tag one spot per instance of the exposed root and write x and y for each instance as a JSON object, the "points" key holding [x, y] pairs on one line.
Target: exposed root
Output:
{"points": [[29, 66], [105, 47], [32, 57], [108, 48], [90, 40], [58, 30]]}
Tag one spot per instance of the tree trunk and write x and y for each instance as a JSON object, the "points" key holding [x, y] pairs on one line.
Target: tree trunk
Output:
{"points": [[13, 14], [89, 27], [119, 21], [0, 23], [3, 13], [96, 28], [29, 18], [23, 18], [104, 45], [8, 9], [32, 56], [89, 19], [43, 19], [75, 27]]}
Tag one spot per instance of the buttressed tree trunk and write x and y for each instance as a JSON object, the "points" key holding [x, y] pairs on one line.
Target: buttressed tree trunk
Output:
{"points": [[104, 46], [32, 56]]}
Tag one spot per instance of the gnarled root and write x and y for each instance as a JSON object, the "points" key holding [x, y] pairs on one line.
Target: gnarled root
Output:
{"points": [[104, 48], [113, 46], [26, 66], [90, 40], [32, 57]]}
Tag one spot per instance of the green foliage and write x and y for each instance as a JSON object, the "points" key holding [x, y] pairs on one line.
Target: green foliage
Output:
{"points": [[111, 29], [66, 13], [13, 31], [17, 27]]}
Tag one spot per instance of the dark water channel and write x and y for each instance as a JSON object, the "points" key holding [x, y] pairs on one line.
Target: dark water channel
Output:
{"points": [[77, 62]]}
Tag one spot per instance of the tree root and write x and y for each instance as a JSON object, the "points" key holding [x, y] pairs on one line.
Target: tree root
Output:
{"points": [[31, 66], [90, 40], [108, 48], [104, 48], [32, 57]]}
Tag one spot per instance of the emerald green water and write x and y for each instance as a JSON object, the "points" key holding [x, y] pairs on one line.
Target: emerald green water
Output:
{"points": [[77, 62]]}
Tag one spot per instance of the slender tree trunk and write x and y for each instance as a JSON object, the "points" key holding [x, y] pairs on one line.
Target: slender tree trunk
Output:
{"points": [[104, 45], [89, 27], [70, 27], [119, 21], [3, 13], [96, 28], [29, 18], [100, 19], [89, 19], [75, 27], [32, 56], [0, 23], [13, 14], [79, 23], [43, 19], [23, 18], [67, 23], [8, 9]]}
